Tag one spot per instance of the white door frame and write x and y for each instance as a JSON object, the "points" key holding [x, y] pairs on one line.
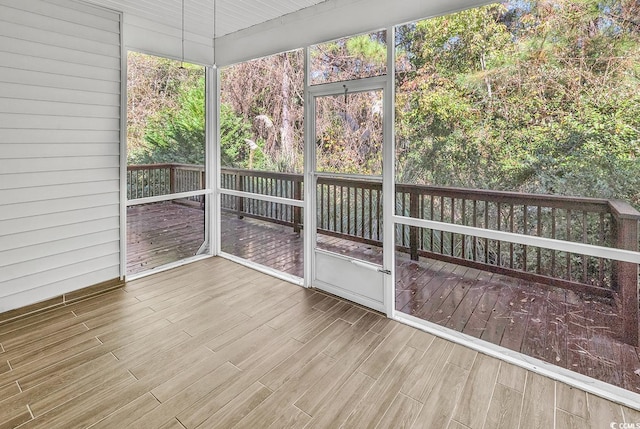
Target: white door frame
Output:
{"points": [[310, 179]]}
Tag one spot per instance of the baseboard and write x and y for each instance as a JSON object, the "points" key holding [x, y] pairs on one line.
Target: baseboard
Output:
{"points": [[62, 300]]}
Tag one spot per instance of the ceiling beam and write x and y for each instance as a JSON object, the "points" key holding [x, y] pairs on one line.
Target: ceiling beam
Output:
{"points": [[327, 21]]}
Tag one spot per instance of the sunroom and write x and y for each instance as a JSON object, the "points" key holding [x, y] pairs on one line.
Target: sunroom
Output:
{"points": [[385, 215]]}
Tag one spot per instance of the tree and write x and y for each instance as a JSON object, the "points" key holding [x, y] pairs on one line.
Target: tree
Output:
{"points": [[175, 132], [154, 84], [528, 96], [267, 94]]}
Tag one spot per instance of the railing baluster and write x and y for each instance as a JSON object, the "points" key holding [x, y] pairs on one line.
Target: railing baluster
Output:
{"points": [[431, 218], [568, 238], [453, 220], [553, 236], [413, 231], [585, 275], [370, 213], [512, 229], [361, 223], [273, 212], [254, 183], [499, 221], [403, 211], [349, 210], [335, 207], [486, 225], [539, 250], [379, 219], [421, 216], [464, 222], [601, 243], [475, 225], [282, 212], [525, 223], [341, 209], [321, 206], [441, 220], [141, 183]]}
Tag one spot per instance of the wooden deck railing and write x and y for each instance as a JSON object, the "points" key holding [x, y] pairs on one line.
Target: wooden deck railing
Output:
{"points": [[286, 185], [352, 209], [152, 180]]}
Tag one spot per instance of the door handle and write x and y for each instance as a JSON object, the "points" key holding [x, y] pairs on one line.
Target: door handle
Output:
{"points": [[370, 266], [365, 265]]}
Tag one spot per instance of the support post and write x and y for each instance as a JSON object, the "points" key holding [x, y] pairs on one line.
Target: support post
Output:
{"points": [[414, 231], [172, 179], [240, 200], [203, 185], [297, 211], [625, 274]]}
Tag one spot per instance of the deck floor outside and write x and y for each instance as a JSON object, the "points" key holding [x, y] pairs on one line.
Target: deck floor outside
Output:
{"points": [[577, 332], [189, 348], [161, 233]]}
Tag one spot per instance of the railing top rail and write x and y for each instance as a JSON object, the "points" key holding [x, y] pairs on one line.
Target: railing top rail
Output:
{"points": [[623, 210], [596, 205], [189, 167], [262, 173], [192, 167], [147, 166], [347, 181]]}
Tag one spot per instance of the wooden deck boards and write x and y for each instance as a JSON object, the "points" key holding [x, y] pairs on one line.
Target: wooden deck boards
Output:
{"points": [[577, 332], [161, 233], [301, 359]]}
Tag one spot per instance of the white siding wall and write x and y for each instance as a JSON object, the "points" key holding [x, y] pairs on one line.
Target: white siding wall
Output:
{"points": [[59, 148]]}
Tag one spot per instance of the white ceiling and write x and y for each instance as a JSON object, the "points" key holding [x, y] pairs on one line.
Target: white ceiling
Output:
{"points": [[230, 15], [246, 29]]}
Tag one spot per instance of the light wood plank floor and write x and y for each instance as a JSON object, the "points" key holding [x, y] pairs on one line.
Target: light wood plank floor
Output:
{"points": [[214, 344]]}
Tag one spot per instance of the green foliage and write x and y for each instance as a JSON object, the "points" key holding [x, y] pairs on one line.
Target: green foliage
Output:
{"points": [[367, 49], [235, 132], [176, 135], [349, 58], [528, 96]]}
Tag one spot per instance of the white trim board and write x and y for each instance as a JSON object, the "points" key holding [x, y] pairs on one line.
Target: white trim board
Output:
{"points": [[529, 240], [263, 269]]}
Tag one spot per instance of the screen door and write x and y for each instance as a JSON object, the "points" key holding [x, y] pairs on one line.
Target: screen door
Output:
{"points": [[348, 182]]}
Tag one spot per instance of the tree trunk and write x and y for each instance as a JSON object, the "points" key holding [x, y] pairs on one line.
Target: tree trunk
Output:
{"points": [[286, 132], [487, 82]]}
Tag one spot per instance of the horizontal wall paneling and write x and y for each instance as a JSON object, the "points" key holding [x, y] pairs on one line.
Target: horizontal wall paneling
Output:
{"points": [[60, 96]]}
